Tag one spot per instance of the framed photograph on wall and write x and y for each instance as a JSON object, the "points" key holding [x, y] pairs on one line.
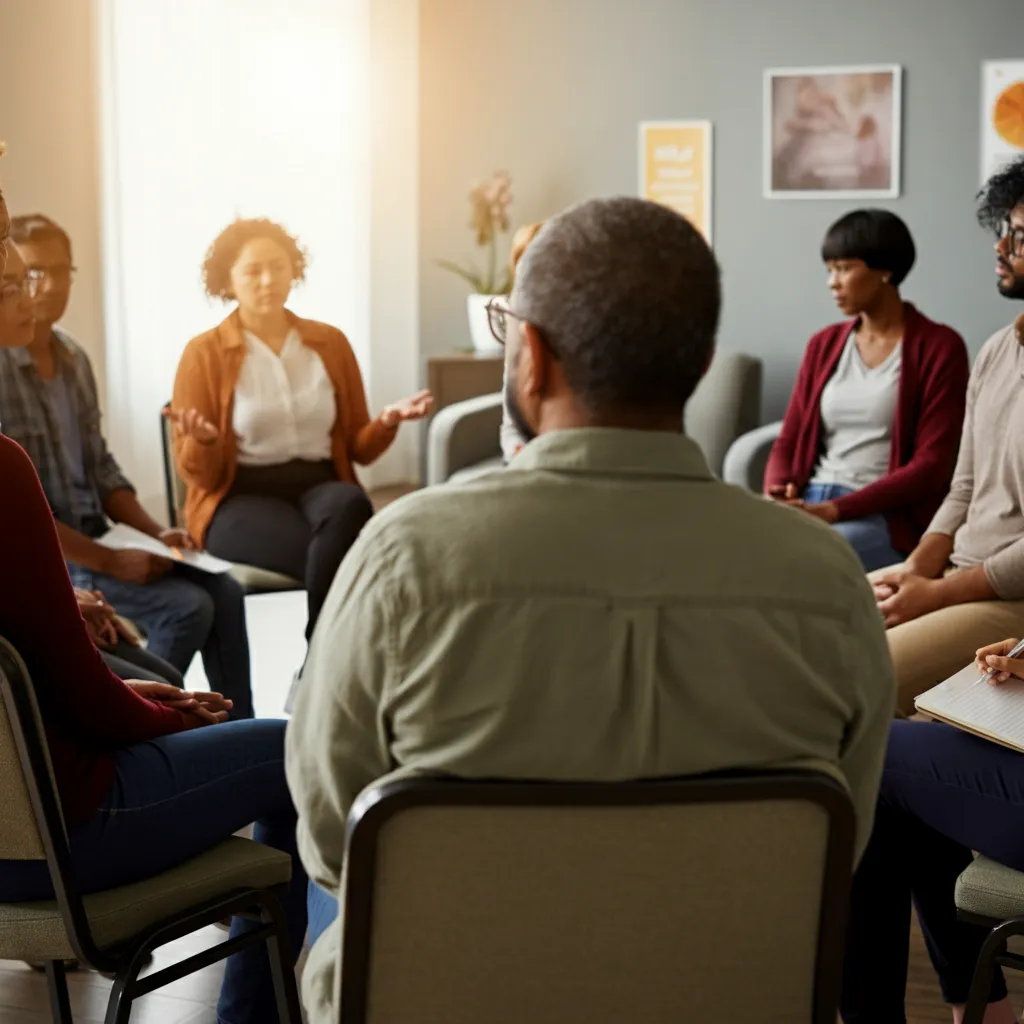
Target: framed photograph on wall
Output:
{"points": [[833, 132], [1002, 114], [675, 168]]}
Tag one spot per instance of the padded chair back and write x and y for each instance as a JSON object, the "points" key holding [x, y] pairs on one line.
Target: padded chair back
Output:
{"points": [[33, 779], [721, 898], [19, 836], [174, 486], [726, 404]]}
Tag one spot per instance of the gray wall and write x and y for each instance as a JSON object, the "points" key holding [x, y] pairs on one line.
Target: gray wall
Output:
{"points": [[553, 90]]}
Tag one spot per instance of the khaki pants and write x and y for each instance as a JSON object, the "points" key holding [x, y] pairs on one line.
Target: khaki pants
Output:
{"points": [[934, 647]]}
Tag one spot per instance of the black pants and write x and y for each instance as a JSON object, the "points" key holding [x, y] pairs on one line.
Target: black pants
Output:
{"points": [[943, 794], [128, 662], [295, 518]]}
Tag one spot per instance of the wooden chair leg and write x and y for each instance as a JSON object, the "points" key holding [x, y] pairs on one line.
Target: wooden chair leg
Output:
{"points": [[57, 987], [282, 969]]}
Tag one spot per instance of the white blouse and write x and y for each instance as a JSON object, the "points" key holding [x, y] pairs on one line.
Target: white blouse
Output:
{"points": [[284, 405]]}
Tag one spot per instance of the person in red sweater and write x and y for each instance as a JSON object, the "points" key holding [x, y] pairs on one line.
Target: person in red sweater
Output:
{"points": [[870, 437], [143, 786]]}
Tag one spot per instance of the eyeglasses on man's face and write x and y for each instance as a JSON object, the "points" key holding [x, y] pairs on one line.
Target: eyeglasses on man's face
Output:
{"points": [[1014, 235], [498, 315], [11, 291], [57, 275]]}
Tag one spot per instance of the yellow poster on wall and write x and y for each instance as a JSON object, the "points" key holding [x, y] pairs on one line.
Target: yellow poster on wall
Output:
{"points": [[675, 168]]}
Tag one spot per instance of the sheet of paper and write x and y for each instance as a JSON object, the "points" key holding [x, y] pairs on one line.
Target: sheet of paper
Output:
{"points": [[122, 538], [995, 711]]}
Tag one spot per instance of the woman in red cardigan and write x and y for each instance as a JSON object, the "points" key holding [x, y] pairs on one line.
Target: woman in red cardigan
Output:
{"points": [[143, 787], [870, 436]]}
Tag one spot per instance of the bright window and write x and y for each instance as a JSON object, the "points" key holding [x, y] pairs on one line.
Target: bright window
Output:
{"points": [[213, 110]]}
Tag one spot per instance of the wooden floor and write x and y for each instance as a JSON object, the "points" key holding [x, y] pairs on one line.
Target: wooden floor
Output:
{"points": [[192, 1000]]}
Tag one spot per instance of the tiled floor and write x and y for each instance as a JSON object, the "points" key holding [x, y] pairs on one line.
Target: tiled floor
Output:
{"points": [[192, 1000]]}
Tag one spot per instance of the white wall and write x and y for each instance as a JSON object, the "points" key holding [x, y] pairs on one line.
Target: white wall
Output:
{"points": [[394, 223], [48, 118]]}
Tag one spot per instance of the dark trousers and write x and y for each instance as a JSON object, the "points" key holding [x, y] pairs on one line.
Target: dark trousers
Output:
{"points": [[129, 662], [188, 611], [295, 518], [944, 793]]}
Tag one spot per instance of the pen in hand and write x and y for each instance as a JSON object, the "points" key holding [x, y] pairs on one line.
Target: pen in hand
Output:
{"points": [[989, 675]]}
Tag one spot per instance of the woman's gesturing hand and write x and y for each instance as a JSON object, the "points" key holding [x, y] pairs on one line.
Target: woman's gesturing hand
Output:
{"points": [[192, 423]]}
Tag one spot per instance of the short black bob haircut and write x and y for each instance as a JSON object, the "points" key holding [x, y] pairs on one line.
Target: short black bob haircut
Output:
{"points": [[1001, 195], [877, 237]]}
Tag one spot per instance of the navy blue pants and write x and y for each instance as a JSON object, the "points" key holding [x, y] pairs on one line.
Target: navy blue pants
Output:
{"points": [[944, 793]]}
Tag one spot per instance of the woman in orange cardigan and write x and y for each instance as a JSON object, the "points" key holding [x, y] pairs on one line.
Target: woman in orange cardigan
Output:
{"points": [[270, 419]]}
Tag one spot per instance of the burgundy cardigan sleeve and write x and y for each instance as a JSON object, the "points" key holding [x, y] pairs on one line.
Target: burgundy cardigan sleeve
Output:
{"points": [[782, 467], [946, 372], [39, 615]]}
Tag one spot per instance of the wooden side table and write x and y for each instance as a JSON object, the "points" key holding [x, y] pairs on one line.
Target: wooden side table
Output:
{"points": [[456, 376]]}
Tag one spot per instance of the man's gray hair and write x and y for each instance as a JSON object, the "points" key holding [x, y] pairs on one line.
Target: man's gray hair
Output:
{"points": [[627, 295]]}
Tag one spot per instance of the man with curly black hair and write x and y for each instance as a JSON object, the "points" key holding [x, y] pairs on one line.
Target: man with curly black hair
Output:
{"points": [[963, 585], [944, 792]]}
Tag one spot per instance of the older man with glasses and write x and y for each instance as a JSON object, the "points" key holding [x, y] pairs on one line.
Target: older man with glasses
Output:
{"points": [[19, 288], [601, 609], [49, 405]]}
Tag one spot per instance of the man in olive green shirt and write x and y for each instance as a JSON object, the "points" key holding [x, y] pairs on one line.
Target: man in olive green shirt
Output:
{"points": [[603, 608]]}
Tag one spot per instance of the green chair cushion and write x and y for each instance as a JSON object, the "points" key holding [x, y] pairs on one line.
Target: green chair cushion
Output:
{"points": [[262, 581], [988, 889], [35, 931]]}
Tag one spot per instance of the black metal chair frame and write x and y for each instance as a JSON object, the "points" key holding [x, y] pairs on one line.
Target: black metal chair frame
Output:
{"points": [[169, 472], [126, 960], [993, 953], [378, 805]]}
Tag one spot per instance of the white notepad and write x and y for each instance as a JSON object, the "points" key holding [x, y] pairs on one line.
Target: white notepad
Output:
{"points": [[994, 712], [121, 537]]}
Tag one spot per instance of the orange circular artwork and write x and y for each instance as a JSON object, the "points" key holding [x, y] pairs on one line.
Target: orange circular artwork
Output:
{"points": [[1008, 114]]}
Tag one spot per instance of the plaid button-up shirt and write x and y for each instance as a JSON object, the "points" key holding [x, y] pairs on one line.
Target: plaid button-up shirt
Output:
{"points": [[27, 416]]}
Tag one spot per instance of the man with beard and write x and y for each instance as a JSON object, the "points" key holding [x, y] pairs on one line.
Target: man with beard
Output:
{"points": [[963, 585], [603, 608]]}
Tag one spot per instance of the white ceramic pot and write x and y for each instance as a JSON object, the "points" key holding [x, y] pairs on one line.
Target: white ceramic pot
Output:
{"points": [[479, 329]]}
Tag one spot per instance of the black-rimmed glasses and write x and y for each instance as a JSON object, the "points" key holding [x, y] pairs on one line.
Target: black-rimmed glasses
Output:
{"points": [[497, 319], [1015, 235]]}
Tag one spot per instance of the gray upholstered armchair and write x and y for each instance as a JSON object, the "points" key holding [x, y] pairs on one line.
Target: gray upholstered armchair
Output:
{"points": [[463, 438], [746, 460]]}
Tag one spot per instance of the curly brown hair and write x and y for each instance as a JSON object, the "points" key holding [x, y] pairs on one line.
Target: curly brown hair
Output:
{"points": [[224, 250]]}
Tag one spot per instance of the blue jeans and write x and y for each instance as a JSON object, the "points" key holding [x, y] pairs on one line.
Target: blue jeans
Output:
{"points": [[322, 908], [869, 537], [943, 794], [188, 611], [170, 800]]}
